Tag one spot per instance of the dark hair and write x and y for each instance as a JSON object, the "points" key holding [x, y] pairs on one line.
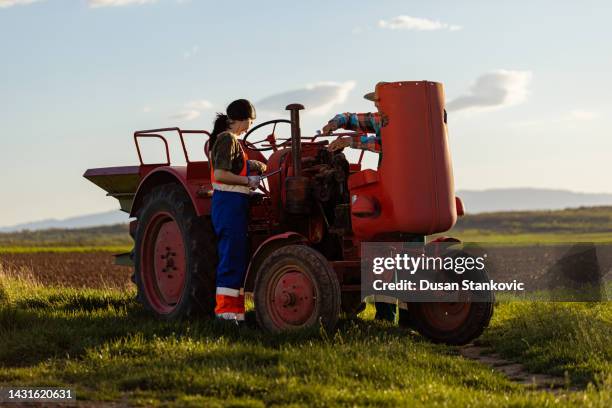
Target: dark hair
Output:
{"points": [[240, 109]]}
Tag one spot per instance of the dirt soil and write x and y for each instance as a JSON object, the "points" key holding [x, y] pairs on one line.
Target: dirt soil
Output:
{"points": [[74, 269]]}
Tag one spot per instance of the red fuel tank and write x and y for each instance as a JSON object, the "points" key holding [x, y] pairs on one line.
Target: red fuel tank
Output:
{"points": [[412, 191]]}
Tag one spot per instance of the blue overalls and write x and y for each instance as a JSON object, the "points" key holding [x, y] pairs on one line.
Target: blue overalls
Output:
{"points": [[230, 218]]}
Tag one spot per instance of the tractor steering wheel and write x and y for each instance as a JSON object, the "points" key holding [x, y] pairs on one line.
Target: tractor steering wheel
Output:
{"points": [[271, 139]]}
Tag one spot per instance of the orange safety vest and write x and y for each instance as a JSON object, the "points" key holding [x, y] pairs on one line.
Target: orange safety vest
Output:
{"points": [[231, 187]]}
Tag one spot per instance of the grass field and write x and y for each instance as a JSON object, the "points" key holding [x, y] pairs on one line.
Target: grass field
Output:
{"points": [[585, 224], [106, 236], [100, 342], [570, 340]]}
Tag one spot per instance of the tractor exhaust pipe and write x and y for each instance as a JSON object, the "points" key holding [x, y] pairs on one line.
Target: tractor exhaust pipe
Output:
{"points": [[296, 136], [297, 188]]}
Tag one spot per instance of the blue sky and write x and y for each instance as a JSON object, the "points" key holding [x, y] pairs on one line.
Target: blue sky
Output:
{"points": [[529, 82]]}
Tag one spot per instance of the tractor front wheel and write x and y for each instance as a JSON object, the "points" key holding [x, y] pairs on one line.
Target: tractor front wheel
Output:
{"points": [[296, 288], [175, 256], [453, 323]]}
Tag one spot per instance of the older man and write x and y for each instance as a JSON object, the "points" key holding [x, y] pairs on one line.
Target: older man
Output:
{"points": [[371, 122]]}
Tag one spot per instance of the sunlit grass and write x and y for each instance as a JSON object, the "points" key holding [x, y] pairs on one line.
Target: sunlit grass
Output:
{"points": [[101, 343], [531, 238], [563, 339]]}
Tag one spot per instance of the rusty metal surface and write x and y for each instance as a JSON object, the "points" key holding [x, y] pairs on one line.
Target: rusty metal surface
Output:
{"points": [[295, 137]]}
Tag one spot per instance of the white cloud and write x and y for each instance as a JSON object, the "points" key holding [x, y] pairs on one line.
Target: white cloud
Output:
{"points": [[190, 114], [11, 3], [116, 3], [318, 98], [192, 110], [493, 90], [191, 52], [201, 104], [146, 109], [416, 23]]}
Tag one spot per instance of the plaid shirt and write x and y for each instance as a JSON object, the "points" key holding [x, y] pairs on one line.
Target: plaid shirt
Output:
{"points": [[364, 122]]}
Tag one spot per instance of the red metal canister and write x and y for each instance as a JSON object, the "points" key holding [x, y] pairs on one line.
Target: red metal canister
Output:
{"points": [[413, 187]]}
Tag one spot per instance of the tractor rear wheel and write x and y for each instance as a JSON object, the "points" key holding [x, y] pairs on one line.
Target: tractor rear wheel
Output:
{"points": [[296, 288], [453, 323], [175, 256]]}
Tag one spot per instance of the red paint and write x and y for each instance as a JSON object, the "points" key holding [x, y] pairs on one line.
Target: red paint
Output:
{"points": [[163, 263], [176, 174], [292, 297], [414, 183]]}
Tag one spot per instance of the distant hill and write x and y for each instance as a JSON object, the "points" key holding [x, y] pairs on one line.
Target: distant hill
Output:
{"points": [[491, 200], [471, 228], [82, 221], [527, 199]]}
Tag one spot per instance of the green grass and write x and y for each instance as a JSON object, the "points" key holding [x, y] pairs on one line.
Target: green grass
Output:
{"points": [[111, 235], [563, 339], [582, 220], [102, 344], [529, 238], [584, 224]]}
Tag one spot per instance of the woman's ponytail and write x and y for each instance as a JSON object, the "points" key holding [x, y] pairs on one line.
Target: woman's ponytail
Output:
{"points": [[220, 126]]}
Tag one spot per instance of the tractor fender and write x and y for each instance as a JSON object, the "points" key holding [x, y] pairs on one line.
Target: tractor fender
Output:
{"points": [[266, 248], [177, 175]]}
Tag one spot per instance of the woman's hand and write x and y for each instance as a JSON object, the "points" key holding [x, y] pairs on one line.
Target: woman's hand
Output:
{"points": [[254, 182], [339, 144]]}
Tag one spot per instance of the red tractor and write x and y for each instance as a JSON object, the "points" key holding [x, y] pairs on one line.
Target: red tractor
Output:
{"points": [[307, 224]]}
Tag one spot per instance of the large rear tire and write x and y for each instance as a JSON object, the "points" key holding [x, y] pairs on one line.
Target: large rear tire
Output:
{"points": [[175, 256], [296, 288], [455, 323]]}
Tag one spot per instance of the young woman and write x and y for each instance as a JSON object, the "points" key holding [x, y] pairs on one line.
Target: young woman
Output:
{"points": [[233, 177]]}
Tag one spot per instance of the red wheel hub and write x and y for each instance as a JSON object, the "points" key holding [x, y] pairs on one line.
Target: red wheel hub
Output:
{"points": [[446, 316], [163, 263], [292, 297]]}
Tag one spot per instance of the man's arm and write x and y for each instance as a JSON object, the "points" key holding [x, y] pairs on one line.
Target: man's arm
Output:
{"points": [[256, 167], [363, 142], [364, 122]]}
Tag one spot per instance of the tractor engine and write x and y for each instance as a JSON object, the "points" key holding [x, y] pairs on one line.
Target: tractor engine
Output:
{"points": [[315, 204], [328, 184]]}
